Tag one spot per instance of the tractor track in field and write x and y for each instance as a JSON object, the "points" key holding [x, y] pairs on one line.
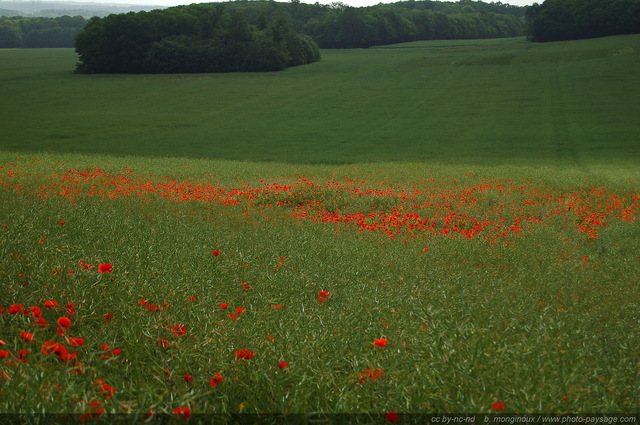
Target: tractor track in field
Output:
{"points": [[564, 138]]}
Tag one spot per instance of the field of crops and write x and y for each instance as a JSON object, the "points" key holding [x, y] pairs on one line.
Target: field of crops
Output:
{"points": [[318, 242]]}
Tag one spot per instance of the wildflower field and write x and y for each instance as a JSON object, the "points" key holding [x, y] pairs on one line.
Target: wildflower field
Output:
{"points": [[166, 288]]}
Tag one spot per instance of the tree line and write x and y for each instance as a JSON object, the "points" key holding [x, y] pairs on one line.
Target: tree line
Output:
{"points": [[331, 26], [556, 20], [190, 39], [16, 32]]}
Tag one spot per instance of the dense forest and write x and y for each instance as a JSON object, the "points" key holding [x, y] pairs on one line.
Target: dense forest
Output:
{"points": [[331, 26], [39, 32], [556, 20], [190, 39]]}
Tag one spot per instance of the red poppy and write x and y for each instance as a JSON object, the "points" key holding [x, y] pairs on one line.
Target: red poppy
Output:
{"points": [[245, 285], [105, 268], [42, 323], [143, 302], [75, 342], [188, 378], [4, 354], [382, 342], [35, 311], [322, 296], [65, 322], [498, 406], [283, 365], [107, 390], [371, 375], [178, 330], [71, 309], [182, 412], [164, 342], [15, 308], [27, 336], [50, 304], [217, 378], [215, 253], [107, 317], [22, 355], [244, 354], [392, 416], [223, 306], [61, 223], [277, 306], [86, 266], [192, 298], [240, 310], [116, 352]]}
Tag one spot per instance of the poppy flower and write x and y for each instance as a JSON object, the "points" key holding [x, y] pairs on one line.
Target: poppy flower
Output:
{"points": [[143, 302], [4, 354], [188, 378], [178, 330], [392, 416], [223, 306], [107, 317], [22, 355], [42, 322], [35, 311], [50, 304], [192, 298], [322, 296], [215, 253], [371, 375], [244, 354], [217, 378], [277, 306], [15, 308], [105, 268], [86, 266], [116, 352], [240, 310], [382, 342], [26, 336], [182, 412], [164, 342], [61, 223], [71, 309], [106, 390], [245, 285], [498, 406], [65, 322], [75, 342], [49, 347], [283, 365]]}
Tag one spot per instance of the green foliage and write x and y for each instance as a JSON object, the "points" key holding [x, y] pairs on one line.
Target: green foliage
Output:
{"points": [[193, 39], [556, 20], [18, 32]]}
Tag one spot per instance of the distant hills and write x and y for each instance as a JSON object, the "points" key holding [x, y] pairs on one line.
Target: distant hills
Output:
{"points": [[53, 9]]}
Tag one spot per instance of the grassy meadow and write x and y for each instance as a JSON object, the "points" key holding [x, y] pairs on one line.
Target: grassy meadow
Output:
{"points": [[446, 226]]}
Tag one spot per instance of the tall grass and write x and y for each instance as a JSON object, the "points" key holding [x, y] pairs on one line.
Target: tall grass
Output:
{"points": [[463, 201], [544, 320]]}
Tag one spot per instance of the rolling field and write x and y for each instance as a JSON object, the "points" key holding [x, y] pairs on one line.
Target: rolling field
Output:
{"points": [[445, 227]]}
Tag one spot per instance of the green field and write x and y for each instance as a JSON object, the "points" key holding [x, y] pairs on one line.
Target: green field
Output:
{"points": [[473, 203], [482, 102]]}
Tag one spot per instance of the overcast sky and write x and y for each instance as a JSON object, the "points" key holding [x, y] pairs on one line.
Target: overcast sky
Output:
{"points": [[356, 3]]}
